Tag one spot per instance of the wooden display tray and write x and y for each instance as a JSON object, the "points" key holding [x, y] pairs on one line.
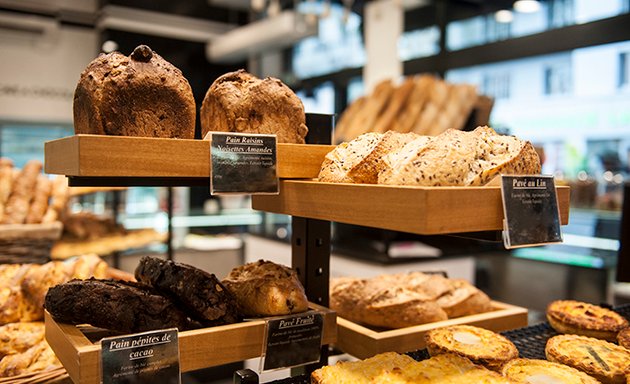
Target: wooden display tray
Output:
{"points": [[364, 342], [122, 156], [420, 210], [199, 348]]}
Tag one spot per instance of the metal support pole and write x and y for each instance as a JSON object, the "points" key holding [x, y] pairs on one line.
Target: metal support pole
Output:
{"points": [[623, 258], [169, 211]]}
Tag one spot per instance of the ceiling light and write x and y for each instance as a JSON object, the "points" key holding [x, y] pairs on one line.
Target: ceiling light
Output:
{"points": [[504, 16], [527, 6]]}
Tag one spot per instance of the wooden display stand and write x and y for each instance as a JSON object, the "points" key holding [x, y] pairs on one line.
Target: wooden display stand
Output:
{"points": [[199, 348]]}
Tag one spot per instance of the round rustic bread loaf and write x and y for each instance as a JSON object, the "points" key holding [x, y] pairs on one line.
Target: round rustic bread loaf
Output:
{"points": [[137, 95], [241, 102]]}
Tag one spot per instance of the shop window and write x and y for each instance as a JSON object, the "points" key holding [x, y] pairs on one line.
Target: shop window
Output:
{"points": [[496, 84], [320, 99], [557, 80], [624, 70], [419, 43], [356, 89], [560, 13], [23, 142]]}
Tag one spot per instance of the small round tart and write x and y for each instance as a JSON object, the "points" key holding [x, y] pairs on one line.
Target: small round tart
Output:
{"points": [[607, 362], [479, 345], [530, 371], [575, 317], [623, 338]]}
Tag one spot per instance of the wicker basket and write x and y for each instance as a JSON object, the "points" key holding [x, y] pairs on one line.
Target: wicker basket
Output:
{"points": [[28, 243]]}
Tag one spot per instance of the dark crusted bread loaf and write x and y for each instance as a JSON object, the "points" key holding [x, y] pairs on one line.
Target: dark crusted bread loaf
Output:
{"points": [[199, 292], [241, 102], [137, 95], [116, 305]]}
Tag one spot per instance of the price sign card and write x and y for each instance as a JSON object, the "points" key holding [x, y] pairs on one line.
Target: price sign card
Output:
{"points": [[530, 206], [243, 163], [293, 340], [149, 357]]}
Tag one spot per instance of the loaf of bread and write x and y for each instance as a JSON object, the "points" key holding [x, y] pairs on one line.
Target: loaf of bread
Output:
{"points": [[345, 156], [137, 95], [19, 202], [263, 288], [240, 102], [406, 299], [200, 293], [116, 305], [6, 184]]}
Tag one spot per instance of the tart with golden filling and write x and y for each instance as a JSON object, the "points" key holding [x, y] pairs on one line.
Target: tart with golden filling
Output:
{"points": [[479, 345], [531, 371], [575, 317], [607, 362], [623, 338]]}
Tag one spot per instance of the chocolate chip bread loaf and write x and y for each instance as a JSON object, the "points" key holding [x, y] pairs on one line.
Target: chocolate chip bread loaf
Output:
{"points": [[200, 293], [121, 306], [137, 95], [241, 102]]}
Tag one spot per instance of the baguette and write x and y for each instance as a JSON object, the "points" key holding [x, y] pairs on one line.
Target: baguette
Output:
{"points": [[416, 104], [60, 193], [6, 185], [347, 118], [39, 206], [397, 103], [23, 192]]}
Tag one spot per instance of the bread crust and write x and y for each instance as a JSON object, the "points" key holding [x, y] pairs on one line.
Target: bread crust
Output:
{"points": [[483, 347], [137, 95], [241, 102], [263, 288], [575, 317], [607, 362], [623, 338], [520, 370], [338, 162], [19, 202]]}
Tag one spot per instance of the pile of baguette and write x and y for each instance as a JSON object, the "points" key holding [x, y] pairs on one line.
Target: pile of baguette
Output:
{"points": [[29, 197], [422, 104]]}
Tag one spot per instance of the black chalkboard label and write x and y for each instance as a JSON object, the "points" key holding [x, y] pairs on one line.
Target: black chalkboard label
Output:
{"points": [[148, 357], [243, 163], [293, 340], [530, 206]]}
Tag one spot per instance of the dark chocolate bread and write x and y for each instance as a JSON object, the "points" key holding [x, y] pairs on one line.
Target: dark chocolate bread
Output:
{"points": [[117, 305], [199, 292], [137, 95]]}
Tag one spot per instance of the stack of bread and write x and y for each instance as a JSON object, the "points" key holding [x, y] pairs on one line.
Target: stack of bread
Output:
{"points": [[453, 158], [23, 349], [29, 197], [421, 104], [406, 299], [144, 95]]}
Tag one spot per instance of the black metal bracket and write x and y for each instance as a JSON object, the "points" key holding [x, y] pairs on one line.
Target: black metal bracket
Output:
{"points": [[623, 258]]}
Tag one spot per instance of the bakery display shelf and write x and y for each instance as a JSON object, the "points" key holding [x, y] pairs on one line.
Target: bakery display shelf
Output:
{"points": [[79, 351], [364, 342], [419, 210], [95, 160], [107, 244]]}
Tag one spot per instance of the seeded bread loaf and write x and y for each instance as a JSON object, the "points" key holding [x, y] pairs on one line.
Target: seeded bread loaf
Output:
{"points": [[390, 163], [241, 102], [137, 95], [345, 156]]}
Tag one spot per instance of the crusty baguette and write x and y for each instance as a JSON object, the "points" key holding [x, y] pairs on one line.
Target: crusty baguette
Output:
{"points": [[6, 185], [366, 171], [345, 121], [23, 192], [371, 109], [39, 205], [417, 102], [340, 160], [59, 199], [397, 103]]}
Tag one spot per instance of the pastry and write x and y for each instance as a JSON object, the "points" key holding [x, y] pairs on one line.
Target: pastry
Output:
{"points": [[60, 193], [6, 184], [241, 102], [569, 316], [199, 292], [137, 95], [263, 288], [607, 362], [120, 306], [39, 205], [479, 345], [529, 371], [18, 337], [623, 338], [393, 368]]}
